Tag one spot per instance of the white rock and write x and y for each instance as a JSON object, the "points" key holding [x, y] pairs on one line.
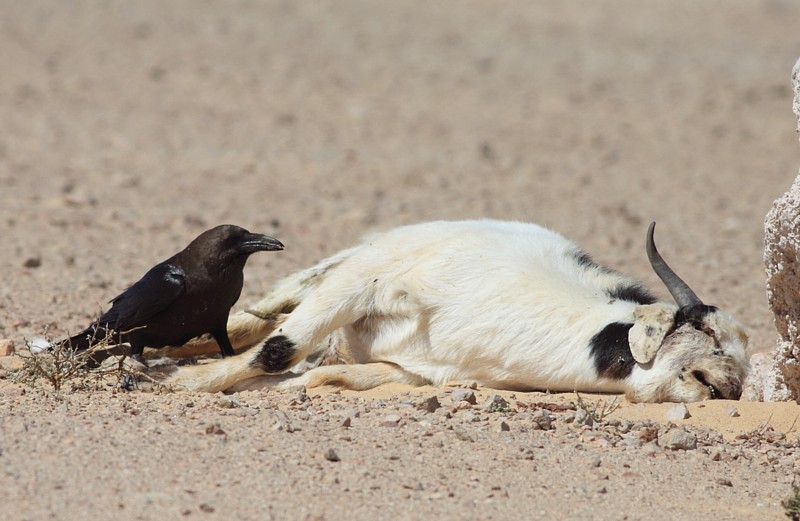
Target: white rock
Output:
{"points": [[678, 412], [39, 344]]}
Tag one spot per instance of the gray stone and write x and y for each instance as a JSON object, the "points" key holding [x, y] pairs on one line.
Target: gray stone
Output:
{"points": [[463, 395], [429, 404], [542, 420], [227, 402], [391, 420], [583, 419], [678, 439], [331, 455]]}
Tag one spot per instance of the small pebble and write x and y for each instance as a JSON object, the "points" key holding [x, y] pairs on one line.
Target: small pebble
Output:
{"points": [[462, 434], [227, 402], [463, 395], [429, 404], [331, 455], [32, 262], [6, 347], [214, 429], [651, 448], [391, 420], [678, 412], [648, 434], [678, 439], [582, 419], [542, 420], [282, 422], [495, 403]]}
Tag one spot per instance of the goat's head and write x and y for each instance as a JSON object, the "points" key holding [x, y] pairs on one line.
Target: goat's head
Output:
{"points": [[688, 353]]}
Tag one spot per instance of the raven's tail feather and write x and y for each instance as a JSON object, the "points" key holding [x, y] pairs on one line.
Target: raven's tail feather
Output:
{"points": [[91, 336]]}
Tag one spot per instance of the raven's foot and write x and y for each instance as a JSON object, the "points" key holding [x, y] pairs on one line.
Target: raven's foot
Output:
{"points": [[137, 357]]}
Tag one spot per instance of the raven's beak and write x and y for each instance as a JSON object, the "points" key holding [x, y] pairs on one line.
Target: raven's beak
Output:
{"points": [[253, 242]]}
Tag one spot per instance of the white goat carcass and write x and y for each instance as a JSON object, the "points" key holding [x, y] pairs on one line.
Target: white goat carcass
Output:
{"points": [[508, 305]]}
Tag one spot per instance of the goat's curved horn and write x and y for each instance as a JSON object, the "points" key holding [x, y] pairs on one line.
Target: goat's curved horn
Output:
{"points": [[681, 292]]}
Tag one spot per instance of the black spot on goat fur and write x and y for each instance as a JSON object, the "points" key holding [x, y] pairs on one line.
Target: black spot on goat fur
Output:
{"points": [[585, 260], [631, 293], [612, 352], [275, 355]]}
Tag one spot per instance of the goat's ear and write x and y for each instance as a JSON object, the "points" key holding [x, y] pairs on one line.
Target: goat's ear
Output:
{"points": [[650, 325]]}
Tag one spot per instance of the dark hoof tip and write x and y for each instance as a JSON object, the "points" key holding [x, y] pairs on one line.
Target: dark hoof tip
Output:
{"points": [[276, 354]]}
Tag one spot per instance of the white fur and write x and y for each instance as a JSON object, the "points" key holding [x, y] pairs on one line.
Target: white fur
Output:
{"points": [[505, 304]]}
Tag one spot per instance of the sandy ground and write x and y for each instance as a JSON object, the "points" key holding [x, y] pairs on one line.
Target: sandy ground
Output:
{"points": [[129, 127]]}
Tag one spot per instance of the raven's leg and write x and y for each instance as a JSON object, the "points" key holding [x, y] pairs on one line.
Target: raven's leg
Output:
{"points": [[224, 343], [136, 352]]}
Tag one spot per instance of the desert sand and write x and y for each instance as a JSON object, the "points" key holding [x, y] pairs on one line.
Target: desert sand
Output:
{"points": [[130, 127]]}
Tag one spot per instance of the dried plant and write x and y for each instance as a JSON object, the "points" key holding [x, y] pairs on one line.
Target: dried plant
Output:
{"points": [[599, 410], [64, 368]]}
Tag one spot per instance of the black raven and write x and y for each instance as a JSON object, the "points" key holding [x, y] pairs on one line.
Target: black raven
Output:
{"points": [[186, 296]]}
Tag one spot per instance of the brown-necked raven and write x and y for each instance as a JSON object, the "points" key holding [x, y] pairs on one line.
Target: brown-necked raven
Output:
{"points": [[187, 295]]}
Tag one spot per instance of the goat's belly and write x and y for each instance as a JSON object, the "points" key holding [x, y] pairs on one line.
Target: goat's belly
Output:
{"points": [[516, 357], [499, 375]]}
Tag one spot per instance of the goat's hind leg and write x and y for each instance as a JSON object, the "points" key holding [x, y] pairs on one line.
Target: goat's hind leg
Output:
{"points": [[358, 377], [337, 300], [213, 377], [302, 335]]}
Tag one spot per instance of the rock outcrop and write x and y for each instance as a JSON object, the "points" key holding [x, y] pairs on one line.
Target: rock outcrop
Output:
{"points": [[775, 376]]}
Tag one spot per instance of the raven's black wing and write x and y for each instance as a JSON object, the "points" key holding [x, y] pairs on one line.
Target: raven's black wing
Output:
{"points": [[150, 295]]}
